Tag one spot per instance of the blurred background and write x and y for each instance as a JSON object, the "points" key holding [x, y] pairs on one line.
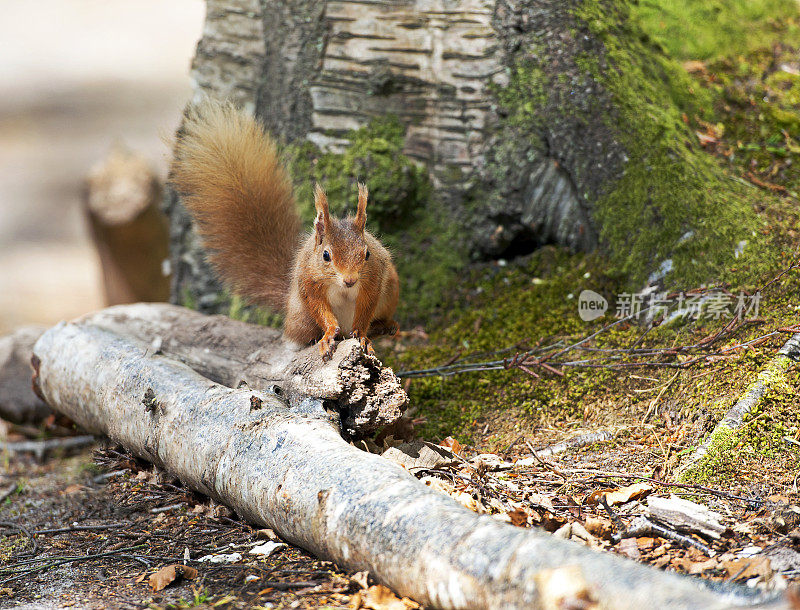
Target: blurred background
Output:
{"points": [[76, 78]]}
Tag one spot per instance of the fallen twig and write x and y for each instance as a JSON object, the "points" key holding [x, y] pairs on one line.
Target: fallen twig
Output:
{"points": [[55, 562], [642, 526], [547, 358], [694, 487], [82, 528], [164, 509], [39, 448], [6, 493], [576, 442]]}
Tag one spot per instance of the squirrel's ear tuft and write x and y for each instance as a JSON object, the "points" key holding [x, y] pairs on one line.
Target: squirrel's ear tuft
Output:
{"points": [[361, 215], [319, 228], [323, 220]]}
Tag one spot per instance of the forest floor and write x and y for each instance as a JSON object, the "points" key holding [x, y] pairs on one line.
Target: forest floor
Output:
{"points": [[648, 389]]}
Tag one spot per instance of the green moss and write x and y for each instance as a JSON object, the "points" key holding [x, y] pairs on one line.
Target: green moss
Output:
{"points": [[702, 30], [719, 463], [397, 185], [497, 307], [240, 310], [762, 430], [189, 299], [527, 301], [673, 201]]}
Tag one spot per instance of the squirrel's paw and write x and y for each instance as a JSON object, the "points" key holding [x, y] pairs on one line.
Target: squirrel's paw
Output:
{"points": [[366, 344], [328, 343]]}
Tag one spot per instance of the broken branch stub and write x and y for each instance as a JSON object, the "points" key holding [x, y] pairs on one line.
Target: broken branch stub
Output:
{"points": [[367, 394], [18, 404], [287, 468]]}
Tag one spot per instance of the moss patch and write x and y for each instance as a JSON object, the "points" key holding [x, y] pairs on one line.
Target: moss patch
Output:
{"points": [[704, 30], [673, 201], [398, 186]]}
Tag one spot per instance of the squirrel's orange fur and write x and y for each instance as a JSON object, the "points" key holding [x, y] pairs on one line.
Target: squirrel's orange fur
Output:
{"points": [[339, 279]]}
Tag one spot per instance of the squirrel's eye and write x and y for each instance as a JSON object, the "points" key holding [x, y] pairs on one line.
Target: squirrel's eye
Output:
{"points": [[326, 256], [366, 256]]}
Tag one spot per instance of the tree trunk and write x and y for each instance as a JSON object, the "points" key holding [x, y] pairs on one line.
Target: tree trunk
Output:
{"points": [[121, 203], [538, 122], [287, 468]]}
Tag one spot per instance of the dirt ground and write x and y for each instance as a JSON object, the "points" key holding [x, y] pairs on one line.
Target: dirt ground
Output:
{"points": [[117, 521], [98, 524]]}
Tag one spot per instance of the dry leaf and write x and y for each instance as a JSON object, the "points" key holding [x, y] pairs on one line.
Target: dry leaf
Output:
{"points": [[661, 561], [168, 574], [706, 138], [361, 579], [747, 568], [378, 597], [268, 534], [694, 66], [599, 527], [622, 495], [694, 567], [452, 444], [551, 522], [629, 548], [660, 550], [645, 543], [71, 489], [594, 497], [541, 501], [518, 517]]}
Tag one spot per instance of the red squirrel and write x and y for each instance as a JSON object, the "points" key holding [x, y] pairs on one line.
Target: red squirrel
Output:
{"points": [[336, 280]]}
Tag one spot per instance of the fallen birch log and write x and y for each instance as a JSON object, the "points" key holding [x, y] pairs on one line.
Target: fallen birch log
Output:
{"points": [[287, 468]]}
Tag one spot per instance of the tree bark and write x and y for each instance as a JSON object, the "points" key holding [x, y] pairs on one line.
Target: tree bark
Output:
{"points": [[18, 403], [287, 468]]}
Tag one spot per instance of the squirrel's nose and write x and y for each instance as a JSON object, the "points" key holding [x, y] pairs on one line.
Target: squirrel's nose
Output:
{"points": [[350, 282]]}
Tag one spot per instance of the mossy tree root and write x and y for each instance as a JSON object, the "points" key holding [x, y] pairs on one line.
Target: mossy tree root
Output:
{"points": [[725, 435]]}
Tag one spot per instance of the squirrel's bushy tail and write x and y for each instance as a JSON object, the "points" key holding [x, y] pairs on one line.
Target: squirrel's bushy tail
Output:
{"points": [[227, 170]]}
